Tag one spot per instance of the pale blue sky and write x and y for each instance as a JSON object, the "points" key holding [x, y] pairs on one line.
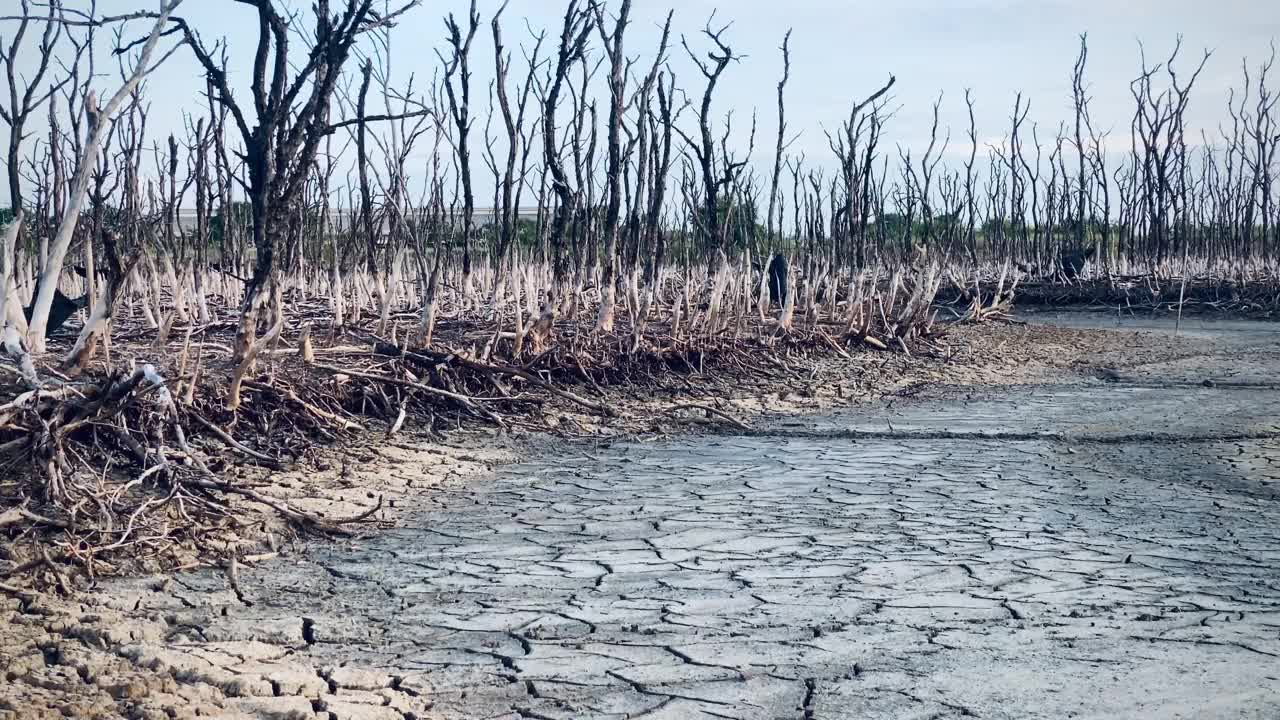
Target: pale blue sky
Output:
{"points": [[841, 50]]}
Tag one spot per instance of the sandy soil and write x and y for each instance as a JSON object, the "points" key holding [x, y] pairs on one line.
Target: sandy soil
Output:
{"points": [[263, 637]]}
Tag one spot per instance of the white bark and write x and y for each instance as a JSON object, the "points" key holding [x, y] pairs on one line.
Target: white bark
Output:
{"points": [[608, 299], [9, 335], [144, 298], [10, 305], [429, 305], [98, 121], [336, 302], [177, 290], [94, 328], [202, 301]]}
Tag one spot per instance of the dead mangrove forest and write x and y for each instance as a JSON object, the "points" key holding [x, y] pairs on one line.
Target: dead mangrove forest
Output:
{"points": [[323, 250]]}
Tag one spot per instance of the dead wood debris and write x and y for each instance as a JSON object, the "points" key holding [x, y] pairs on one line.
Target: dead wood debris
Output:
{"points": [[123, 464], [993, 298]]}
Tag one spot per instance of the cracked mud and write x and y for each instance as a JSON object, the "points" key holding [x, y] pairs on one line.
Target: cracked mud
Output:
{"points": [[1095, 548]]}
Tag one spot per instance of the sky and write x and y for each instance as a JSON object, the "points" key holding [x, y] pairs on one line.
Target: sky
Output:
{"points": [[842, 50]]}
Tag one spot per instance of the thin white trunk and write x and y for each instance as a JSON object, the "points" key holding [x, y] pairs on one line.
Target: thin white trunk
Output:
{"points": [[468, 289], [90, 275], [530, 295], [26, 284], [95, 328], [144, 299], [788, 310], [382, 296], [517, 309], [9, 303], [641, 320], [248, 345], [179, 296], [336, 302], [762, 294], [202, 300], [429, 307], [608, 299]]}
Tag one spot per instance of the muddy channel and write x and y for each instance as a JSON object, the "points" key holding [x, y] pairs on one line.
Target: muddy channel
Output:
{"points": [[1103, 546]]}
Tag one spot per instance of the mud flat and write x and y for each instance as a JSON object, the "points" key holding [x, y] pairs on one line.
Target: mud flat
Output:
{"points": [[1086, 526]]}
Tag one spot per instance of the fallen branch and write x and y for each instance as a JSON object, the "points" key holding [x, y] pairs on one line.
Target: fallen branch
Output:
{"points": [[236, 444], [468, 402], [711, 411], [385, 348], [294, 515]]}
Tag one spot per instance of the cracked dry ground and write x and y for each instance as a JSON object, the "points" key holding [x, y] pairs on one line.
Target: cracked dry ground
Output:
{"points": [[1116, 554]]}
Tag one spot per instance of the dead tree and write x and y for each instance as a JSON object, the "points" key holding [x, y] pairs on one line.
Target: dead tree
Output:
{"points": [[101, 308], [517, 145], [1080, 102], [618, 69], [1159, 125], [705, 149], [430, 232], [368, 227], [662, 128], [928, 169], [578, 24], [291, 109], [98, 121], [10, 306], [1261, 129], [27, 93], [777, 155], [172, 256], [970, 201], [204, 203], [404, 134], [460, 110], [653, 162], [855, 167]]}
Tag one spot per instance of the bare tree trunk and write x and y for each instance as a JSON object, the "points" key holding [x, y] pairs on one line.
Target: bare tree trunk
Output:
{"points": [[459, 107], [10, 305], [777, 156], [573, 39], [96, 328], [617, 91], [705, 149]]}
